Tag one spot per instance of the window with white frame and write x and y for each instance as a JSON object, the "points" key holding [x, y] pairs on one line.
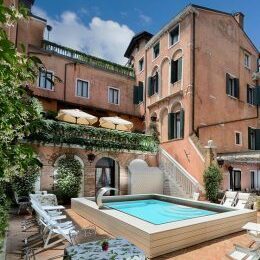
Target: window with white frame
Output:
{"points": [[141, 64], [174, 35], [250, 95], [45, 79], [238, 138], [113, 96], [246, 60], [156, 50], [82, 88]]}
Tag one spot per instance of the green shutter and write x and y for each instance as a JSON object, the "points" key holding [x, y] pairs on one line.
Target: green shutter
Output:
{"points": [[174, 71], [227, 83], [156, 78], [150, 86], [171, 126], [250, 132], [182, 118], [257, 95], [247, 89], [141, 92], [179, 69], [236, 88], [257, 139], [136, 99]]}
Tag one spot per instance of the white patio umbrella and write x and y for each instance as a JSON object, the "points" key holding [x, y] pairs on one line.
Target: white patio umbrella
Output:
{"points": [[115, 123], [76, 116]]}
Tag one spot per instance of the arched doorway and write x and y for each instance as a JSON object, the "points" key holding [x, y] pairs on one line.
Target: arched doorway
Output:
{"points": [[107, 174]]}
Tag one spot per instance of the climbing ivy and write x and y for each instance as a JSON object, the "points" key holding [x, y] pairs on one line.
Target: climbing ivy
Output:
{"points": [[91, 138]]}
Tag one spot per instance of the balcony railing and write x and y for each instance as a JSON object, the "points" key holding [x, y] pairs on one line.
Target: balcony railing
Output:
{"points": [[88, 59], [91, 138]]}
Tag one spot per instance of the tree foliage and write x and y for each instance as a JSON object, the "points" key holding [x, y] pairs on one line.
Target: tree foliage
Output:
{"points": [[212, 179], [17, 108], [68, 178]]}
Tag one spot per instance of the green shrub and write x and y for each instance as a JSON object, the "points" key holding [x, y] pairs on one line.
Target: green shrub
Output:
{"points": [[68, 179], [24, 184], [212, 179]]}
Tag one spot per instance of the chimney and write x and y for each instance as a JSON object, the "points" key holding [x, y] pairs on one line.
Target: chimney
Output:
{"points": [[240, 19]]}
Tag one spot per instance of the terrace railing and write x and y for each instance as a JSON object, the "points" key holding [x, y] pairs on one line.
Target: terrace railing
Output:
{"points": [[88, 59], [91, 138], [175, 173]]}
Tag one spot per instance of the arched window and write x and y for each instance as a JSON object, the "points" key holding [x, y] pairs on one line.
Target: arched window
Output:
{"points": [[176, 67], [176, 122], [153, 83]]}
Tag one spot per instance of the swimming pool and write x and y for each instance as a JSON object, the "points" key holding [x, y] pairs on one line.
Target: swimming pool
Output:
{"points": [[187, 223], [158, 212]]}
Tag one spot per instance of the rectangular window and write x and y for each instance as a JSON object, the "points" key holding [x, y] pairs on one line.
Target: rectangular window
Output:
{"points": [[251, 138], [141, 64], [156, 50], [113, 96], [45, 79], [176, 125], [247, 60], [232, 86], [235, 180], [250, 95], [255, 180], [82, 88], [238, 138], [176, 70], [139, 93], [174, 35]]}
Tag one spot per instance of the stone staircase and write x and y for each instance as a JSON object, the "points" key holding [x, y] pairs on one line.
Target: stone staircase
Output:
{"points": [[177, 181], [198, 145]]}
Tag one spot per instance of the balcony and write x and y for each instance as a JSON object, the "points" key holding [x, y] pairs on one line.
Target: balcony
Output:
{"points": [[256, 76], [88, 59], [91, 138]]}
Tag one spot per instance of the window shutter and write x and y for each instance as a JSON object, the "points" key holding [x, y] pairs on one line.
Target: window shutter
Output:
{"points": [[257, 95], [174, 71], [141, 92], [250, 132], [182, 122], [150, 86], [257, 139], [247, 89], [156, 82], [171, 126], [236, 88], [179, 70], [136, 98], [227, 83]]}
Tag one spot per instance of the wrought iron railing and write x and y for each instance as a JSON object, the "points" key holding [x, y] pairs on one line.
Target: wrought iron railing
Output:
{"points": [[91, 138], [88, 59], [175, 173]]}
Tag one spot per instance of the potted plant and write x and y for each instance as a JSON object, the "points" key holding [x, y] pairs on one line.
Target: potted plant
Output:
{"points": [[105, 245]]}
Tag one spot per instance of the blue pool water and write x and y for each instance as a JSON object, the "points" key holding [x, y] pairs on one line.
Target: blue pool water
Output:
{"points": [[157, 211]]}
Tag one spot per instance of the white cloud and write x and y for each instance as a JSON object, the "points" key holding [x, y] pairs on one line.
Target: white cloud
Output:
{"points": [[102, 38], [144, 19]]}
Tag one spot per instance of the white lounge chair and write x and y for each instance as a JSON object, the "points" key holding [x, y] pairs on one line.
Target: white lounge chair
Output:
{"points": [[241, 200], [229, 198], [253, 231], [244, 253], [195, 196]]}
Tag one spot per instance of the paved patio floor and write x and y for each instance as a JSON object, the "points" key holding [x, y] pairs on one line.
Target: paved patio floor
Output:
{"points": [[212, 250]]}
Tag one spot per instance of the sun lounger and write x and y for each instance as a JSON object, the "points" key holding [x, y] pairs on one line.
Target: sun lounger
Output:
{"points": [[241, 200], [244, 253], [229, 198]]}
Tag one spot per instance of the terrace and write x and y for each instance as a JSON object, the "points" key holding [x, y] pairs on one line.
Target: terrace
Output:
{"points": [[87, 59], [92, 138]]}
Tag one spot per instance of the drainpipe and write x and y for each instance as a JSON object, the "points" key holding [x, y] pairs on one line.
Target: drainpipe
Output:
{"points": [[193, 72], [65, 78], [145, 81]]}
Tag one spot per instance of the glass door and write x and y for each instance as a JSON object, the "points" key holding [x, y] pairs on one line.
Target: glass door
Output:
{"points": [[235, 180]]}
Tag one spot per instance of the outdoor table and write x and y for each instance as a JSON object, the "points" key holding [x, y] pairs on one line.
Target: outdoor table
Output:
{"points": [[119, 249]]}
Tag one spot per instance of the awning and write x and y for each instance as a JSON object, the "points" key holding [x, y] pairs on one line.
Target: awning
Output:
{"points": [[76, 116], [115, 123], [241, 157]]}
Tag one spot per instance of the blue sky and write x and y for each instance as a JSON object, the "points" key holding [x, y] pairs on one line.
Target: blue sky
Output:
{"points": [[90, 20]]}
